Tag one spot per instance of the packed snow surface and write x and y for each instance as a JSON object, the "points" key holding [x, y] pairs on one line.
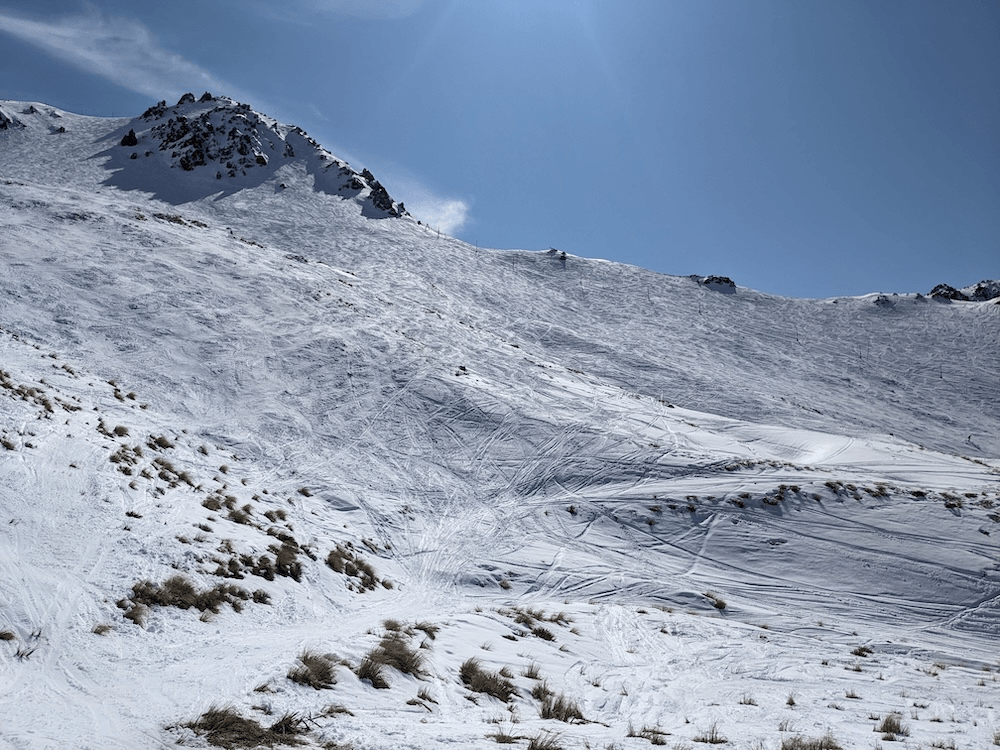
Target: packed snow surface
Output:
{"points": [[256, 417]]}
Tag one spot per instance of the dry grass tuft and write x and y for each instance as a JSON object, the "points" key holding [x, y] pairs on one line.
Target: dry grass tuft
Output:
{"points": [[561, 708], [655, 735], [393, 651], [344, 559], [315, 670], [178, 591], [373, 671], [891, 726], [531, 671], [479, 680], [429, 629], [712, 736], [827, 742], [542, 632], [225, 727], [545, 741], [717, 601]]}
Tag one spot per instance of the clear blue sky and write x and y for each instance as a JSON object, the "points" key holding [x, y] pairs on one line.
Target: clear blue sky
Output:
{"points": [[803, 147]]}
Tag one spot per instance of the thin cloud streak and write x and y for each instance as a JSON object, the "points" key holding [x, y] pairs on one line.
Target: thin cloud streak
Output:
{"points": [[120, 50], [450, 215]]}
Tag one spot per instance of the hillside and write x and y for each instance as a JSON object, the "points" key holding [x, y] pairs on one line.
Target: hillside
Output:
{"points": [[683, 502]]}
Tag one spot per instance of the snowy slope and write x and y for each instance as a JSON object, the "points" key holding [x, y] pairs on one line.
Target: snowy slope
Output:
{"points": [[295, 364]]}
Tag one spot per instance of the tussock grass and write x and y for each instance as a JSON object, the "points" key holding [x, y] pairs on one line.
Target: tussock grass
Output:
{"points": [[225, 727], [344, 559], [479, 680], [177, 591], [712, 736], [395, 651], [286, 561], [373, 671], [392, 652], [315, 670], [429, 629], [335, 709], [531, 671], [561, 708], [717, 601], [826, 742], [545, 741], [541, 691], [655, 735], [542, 632], [891, 726], [159, 442], [503, 737]]}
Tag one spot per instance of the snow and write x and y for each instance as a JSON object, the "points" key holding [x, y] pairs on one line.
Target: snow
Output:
{"points": [[493, 431]]}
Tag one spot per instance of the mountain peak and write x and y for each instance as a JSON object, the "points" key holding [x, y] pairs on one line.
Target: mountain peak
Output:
{"points": [[205, 147], [227, 146]]}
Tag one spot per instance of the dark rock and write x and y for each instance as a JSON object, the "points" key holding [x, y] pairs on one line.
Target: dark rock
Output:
{"points": [[9, 122], [722, 284], [156, 111], [186, 99], [985, 291], [130, 139], [943, 291], [380, 197], [206, 97]]}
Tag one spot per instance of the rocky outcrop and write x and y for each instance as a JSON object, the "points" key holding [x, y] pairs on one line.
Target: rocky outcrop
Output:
{"points": [[9, 122], [983, 291], [944, 291], [234, 141], [722, 284]]}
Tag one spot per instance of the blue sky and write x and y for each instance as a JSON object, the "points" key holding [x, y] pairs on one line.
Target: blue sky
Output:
{"points": [[810, 148]]}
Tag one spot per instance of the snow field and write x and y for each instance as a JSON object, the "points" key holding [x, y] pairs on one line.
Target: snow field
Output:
{"points": [[727, 496]]}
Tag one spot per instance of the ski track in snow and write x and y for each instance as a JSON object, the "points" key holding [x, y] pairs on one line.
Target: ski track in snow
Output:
{"points": [[495, 432]]}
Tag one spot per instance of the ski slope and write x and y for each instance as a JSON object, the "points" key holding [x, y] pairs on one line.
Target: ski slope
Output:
{"points": [[725, 494]]}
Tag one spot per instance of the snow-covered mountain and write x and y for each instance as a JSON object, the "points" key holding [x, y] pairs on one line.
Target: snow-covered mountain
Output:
{"points": [[254, 414]]}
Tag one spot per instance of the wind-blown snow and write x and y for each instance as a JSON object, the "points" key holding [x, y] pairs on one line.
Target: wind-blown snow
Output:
{"points": [[491, 430]]}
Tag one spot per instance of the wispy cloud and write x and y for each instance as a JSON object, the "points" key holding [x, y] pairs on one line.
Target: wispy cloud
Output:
{"points": [[121, 50], [450, 215]]}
